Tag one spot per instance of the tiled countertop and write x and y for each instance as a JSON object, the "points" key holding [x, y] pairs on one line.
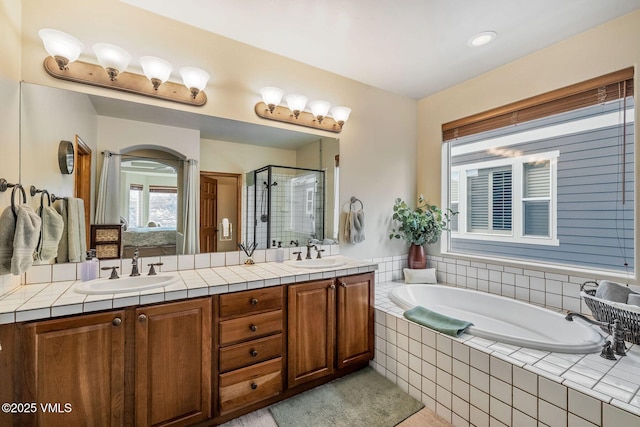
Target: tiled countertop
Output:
{"points": [[41, 301], [615, 382]]}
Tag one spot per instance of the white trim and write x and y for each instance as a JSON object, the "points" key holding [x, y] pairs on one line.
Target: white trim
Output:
{"points": [[590, 123]]}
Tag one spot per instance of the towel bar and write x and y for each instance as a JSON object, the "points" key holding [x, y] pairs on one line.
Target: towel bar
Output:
{"points": [[4, 185]]}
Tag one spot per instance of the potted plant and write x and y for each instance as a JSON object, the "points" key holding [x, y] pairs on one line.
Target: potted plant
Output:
{"points": [[419, 226]]}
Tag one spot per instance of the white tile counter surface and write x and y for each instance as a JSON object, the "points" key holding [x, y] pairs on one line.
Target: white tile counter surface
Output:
{"points": [[614, 382], [53, 299]]}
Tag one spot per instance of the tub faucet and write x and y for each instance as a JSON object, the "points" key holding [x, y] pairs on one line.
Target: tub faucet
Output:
{"points": [[617, 332], [134, 264]]}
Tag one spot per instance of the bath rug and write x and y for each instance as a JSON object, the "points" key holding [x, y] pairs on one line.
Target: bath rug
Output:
{"points": [[364, 398], [436, 321]]}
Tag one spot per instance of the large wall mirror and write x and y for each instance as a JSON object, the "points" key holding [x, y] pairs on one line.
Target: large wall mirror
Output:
{"points": [[256, 183]]}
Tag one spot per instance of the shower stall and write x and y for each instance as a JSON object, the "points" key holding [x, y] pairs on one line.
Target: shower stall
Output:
{"points": [[285, 204]]}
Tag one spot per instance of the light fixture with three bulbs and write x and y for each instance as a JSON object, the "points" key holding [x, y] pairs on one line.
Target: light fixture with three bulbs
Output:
{"points": [[294, 113], [65, 49]]}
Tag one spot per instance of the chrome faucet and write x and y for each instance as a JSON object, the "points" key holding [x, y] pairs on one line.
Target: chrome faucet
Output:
{"points": [[134, 264]]}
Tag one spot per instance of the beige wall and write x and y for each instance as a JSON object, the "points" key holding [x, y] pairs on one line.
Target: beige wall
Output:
{"points": [[604, 49], [377, 145], [222, 156]]}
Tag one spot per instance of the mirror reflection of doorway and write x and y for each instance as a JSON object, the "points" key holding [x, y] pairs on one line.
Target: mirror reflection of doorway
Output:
{"points": [[226, 203], [82, 180]]}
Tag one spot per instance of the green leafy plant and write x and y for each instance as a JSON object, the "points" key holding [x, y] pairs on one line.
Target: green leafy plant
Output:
{"points": [[421, 225]]}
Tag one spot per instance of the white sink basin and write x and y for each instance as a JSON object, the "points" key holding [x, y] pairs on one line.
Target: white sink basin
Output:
{"points": [[125, 284], [316, 263]]}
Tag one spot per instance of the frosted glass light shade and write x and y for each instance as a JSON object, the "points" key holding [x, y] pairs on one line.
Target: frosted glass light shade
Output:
{"points": [[63, 47], [319, 108], [340, 114], [114, 59], [156, 69], [271, 96], [194, 79], [296, 103]]}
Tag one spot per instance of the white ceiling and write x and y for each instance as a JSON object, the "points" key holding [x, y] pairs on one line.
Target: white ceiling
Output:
{"points": [[410, 47]]}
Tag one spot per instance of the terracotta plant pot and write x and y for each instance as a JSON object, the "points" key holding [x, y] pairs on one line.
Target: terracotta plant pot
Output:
{"points": [[417, 257]]}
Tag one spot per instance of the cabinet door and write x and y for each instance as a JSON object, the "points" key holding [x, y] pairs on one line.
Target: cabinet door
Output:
{"points": [[76, 366], [311, 321], [173, 363], [355, 319]]}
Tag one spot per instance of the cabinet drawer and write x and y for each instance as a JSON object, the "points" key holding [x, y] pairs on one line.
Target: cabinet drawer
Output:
{"points": [[249, 385], [248, 327], [252, 301], [250, 352]]}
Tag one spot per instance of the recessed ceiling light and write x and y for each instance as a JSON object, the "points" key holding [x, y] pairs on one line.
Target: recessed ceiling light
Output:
{"points": [[482, 38]]}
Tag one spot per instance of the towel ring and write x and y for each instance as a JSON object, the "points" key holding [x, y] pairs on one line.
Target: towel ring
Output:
{"points": [[355, 200], [42, 193], [13, 201]]}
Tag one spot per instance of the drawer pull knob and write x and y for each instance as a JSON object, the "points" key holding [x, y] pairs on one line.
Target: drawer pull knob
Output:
{"points": [[116, 322], [253, 353], [254, 386], [254, 301], [253, 328], [332, 286], [142, 318], [344, 285]]}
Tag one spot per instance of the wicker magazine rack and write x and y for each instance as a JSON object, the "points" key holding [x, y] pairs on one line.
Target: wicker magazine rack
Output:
{"points": [[606, 311]]}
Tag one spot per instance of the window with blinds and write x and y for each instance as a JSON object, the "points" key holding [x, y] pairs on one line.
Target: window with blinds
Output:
{"points": [[550, 179]]}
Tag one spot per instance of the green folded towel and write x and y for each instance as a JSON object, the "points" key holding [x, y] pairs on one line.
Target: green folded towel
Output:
{"points": [[439, 322]]}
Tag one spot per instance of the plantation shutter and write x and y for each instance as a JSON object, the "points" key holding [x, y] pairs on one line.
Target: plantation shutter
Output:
{"points": [[478, 202], [502, 200], [537, 183]]}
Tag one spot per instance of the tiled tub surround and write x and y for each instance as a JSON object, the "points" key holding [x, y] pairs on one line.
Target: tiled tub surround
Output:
{"points": [[472, 381], [199, 277]]}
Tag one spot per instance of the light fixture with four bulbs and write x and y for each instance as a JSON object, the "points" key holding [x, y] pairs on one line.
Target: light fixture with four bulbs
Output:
{"points": [[318, 118], [65, 49]]}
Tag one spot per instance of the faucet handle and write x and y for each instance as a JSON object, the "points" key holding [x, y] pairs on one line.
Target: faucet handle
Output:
{"points": [[152, 270], [114, 273], [299, 253], [319, 252]]}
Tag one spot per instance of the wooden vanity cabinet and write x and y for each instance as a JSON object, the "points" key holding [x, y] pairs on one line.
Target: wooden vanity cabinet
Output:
{"points": [[330, 326], [173, 363], [142, 366], [250, 348], [77, 361]]}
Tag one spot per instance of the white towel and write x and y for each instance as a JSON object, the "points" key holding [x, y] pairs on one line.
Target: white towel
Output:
{"points": [[25, 239], [76, 233], [63, 246]]}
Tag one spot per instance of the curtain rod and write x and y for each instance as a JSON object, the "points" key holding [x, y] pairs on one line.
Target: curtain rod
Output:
{"points": [[143, 157]]}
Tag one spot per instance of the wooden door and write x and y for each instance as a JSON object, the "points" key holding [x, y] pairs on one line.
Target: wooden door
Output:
{"points": [[355, 328], [208, 214], [83, 179], [173, 363], [311, 322], [78, 364]]}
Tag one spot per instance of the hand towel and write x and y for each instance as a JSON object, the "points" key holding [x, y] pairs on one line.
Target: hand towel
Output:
{"points": [[612, 291], [7, 230], [634, 299], [50, 234], [63, 246], [25, 239], [76, 233], [436, 321], [357, 234], [348, 226]]}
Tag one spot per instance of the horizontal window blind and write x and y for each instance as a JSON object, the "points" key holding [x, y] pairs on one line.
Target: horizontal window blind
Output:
{"points": [[136, 187], [599, 90], [536, 179], [502, 201], [478, 203], [162, 189]]}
